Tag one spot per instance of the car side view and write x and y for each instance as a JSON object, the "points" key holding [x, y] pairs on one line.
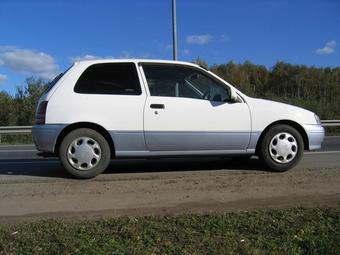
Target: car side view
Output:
{"points": [[100, 110]]}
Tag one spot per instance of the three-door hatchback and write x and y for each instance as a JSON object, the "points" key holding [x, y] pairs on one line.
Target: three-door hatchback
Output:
{"points": [[103, 109]]}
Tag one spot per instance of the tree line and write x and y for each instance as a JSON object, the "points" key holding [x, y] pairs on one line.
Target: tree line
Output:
{"points": [[313, 88], [19, 109]]}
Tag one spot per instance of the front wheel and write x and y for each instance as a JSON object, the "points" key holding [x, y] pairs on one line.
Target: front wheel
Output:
{"points": [[84, 153], [281, 148]]}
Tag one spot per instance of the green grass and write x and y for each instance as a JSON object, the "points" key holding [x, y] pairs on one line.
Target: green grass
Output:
{"points": [[295, 231], [16, 139], [332, 131]]}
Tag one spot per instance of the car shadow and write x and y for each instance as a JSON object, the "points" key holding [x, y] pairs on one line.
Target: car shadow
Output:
{"points": [[32, 167], [51, 167], [183, 164]]}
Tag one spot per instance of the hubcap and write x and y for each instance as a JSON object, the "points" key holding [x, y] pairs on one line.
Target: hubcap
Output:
{"points": [[84, 153], [283, 147]]}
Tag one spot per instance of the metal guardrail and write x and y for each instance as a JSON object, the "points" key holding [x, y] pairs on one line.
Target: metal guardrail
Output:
{"points": [[330, 123], [8, 130], [15, 130], [28, 129], [19, 130]]}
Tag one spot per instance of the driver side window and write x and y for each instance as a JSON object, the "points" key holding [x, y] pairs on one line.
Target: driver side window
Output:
{"points": [[181, 81]]}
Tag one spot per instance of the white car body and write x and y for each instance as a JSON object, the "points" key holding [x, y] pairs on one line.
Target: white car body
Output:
{"points": [[186, 126]]}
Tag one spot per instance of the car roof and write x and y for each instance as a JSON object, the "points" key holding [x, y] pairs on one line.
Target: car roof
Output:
{"points": [[157, 61]]}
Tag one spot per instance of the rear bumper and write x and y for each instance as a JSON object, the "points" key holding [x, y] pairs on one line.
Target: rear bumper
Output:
{"points": [[45, 136], [316, 134]]}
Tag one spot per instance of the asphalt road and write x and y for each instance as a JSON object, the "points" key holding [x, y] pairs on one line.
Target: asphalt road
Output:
{"points": [[35, 188], [21, 163]]}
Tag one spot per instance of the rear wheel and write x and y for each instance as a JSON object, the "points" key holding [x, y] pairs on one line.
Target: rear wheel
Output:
{"points": [[281, 148], [84, 153]]}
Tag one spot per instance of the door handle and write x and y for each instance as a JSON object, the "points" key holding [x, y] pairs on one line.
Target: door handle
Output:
{"points": [[157, 106]]}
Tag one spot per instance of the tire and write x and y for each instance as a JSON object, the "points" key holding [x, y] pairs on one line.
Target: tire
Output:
{"points": [[281, 148], [84, 153]]}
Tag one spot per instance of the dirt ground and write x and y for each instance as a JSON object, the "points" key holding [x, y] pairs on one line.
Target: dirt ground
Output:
{"points": [[171, 192]]}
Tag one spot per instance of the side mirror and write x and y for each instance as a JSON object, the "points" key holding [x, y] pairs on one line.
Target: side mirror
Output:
{"points": [[233, 95]]}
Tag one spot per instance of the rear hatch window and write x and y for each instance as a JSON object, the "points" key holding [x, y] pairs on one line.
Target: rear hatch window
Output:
{"points": [[55, 80]]}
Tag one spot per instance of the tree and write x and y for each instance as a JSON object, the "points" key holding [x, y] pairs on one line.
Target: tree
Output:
{"points": [[26, 99], [5, 108], [316, 89], [201, 63]]}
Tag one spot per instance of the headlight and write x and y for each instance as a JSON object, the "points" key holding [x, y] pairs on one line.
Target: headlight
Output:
{"points": [[317, 119]]}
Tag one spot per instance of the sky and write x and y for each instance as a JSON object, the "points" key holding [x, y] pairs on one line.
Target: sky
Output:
{"points": [[42, 38]]}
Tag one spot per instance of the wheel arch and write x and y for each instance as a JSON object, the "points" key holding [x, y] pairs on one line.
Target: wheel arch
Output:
{"points": [[89, 125], [291, 123]]}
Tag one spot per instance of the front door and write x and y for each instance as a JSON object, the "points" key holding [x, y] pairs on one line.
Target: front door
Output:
{"points": [[189, 110]]}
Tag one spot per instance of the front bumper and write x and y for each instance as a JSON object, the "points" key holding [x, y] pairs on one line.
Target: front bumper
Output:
{"points": [[316, 134], [45, 136]]}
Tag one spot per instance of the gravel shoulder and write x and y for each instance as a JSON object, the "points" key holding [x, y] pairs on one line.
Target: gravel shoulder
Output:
{"points": [[155, 193]]}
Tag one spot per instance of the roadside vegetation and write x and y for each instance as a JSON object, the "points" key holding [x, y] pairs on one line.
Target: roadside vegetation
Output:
{"points": [[19, 109], [316, 89], [294, 231]]}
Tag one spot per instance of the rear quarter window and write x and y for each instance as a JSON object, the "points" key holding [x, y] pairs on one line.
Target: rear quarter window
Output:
{"points": [[109, 78]]}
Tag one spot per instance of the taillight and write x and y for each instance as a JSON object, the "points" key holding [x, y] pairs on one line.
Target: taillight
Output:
{"points": [[41, 113]]}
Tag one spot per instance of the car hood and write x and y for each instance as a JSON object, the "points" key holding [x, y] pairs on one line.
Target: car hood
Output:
{"points": [[272, 111]]}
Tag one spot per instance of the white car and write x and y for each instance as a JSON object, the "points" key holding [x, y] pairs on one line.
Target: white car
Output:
{"points": [[103, 109]]}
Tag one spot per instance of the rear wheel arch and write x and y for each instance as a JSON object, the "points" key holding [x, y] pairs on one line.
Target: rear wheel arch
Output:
{"points": [[90, 125], [291, 123]]}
